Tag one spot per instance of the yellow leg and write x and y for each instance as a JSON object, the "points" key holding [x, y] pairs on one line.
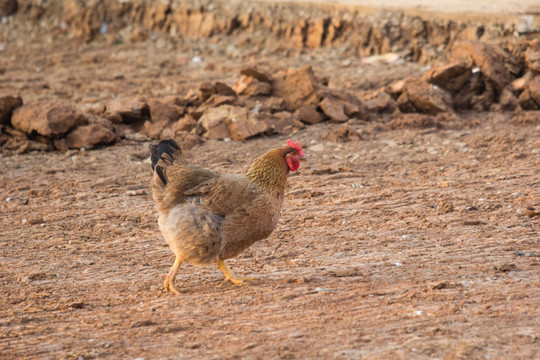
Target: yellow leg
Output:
{"points": [[169, 280], [229, 275]]}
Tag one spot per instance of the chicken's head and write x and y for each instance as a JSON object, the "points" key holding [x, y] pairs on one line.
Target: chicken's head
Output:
{"points": [[294, 155]]}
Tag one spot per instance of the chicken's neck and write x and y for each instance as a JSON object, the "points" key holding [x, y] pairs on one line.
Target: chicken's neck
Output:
{"points": [[269, 171]]}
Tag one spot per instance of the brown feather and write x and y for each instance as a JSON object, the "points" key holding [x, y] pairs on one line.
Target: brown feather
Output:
{"points": [[205, 216]]}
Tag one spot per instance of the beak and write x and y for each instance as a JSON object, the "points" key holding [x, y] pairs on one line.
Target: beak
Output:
{"points": [[302, 158]]}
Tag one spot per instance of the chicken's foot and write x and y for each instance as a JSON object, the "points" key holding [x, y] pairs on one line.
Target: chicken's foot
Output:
{"points": [[229, 275], [169, 279]]}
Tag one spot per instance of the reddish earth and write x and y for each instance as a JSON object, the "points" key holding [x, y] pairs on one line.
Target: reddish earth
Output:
{"points": [[405, 243]]}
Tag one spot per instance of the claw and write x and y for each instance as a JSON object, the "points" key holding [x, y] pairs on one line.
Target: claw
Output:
{"points": [[169, 279], [168, 284], [229, 275]]}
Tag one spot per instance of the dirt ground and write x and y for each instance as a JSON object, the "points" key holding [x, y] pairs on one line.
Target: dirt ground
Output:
{"points": [[405, 244]]}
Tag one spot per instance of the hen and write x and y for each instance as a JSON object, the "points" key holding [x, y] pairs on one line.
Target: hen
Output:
{"points": [[206, 217]]}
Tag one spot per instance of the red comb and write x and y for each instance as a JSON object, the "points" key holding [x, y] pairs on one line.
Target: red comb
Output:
{"points": [[296, 146]]}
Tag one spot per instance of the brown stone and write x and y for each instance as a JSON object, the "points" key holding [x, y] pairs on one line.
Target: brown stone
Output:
{"points": [[223, 89], [309, 114], [49, 119], [525, 118], [164, 111], [256, 73], [206, 90], [282, 122], [89, 136], [297, 87], [383, 103], [522, 83], [339, 105], [227, 121], [451, 77], [412, 120], [508, 100], [273, 104], [243, 125], [493, 62], [532, 56], [127, 111], [526, 101], [534, 90], [8, 7], [344, 133], [138, 35], [398, 87], [316, 32], [334, 108], [429, 98], [250, 86], [404, 104], [187, 123], [212, 123], [8, 103]]}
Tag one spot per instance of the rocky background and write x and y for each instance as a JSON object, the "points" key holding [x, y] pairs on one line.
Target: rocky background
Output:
{"points": [[468, 65]]}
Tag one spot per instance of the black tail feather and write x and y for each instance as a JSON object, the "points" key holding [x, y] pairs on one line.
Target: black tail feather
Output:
{"points": [[169, 147]]}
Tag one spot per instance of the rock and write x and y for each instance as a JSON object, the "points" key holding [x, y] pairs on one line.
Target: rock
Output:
{"points": [[223, 89], [50, 119], [273, 104], [212, 123], [213, 101], [282, 122], [382, 103], [256, 73], [22, 147], [309, 114], [15, 133], [508, 100], [243, 125], [8, 103], [297, 87], [429, 98], [339, 105], [127, 111], [334, 108], [8, 7], [398, 87], [477, 94], [526, 118], [412, 120], [534, 90], [522, 83], [451, 77], [165, 111], [532, 56], [229, 121], [494, 62], [162, 115], [405, 104], [139, 34], [316, 32], [249, 86], [166, 134], [344, 133], [526, 100], [89, 136], [187, 123], [206, 90], [187, 140]]}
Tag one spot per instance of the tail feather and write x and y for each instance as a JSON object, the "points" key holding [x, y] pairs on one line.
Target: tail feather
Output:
{"points": [[163, 155]]}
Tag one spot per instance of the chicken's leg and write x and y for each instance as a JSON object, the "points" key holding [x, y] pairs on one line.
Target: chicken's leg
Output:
{"points": [[229, 275], [169, 280]]}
